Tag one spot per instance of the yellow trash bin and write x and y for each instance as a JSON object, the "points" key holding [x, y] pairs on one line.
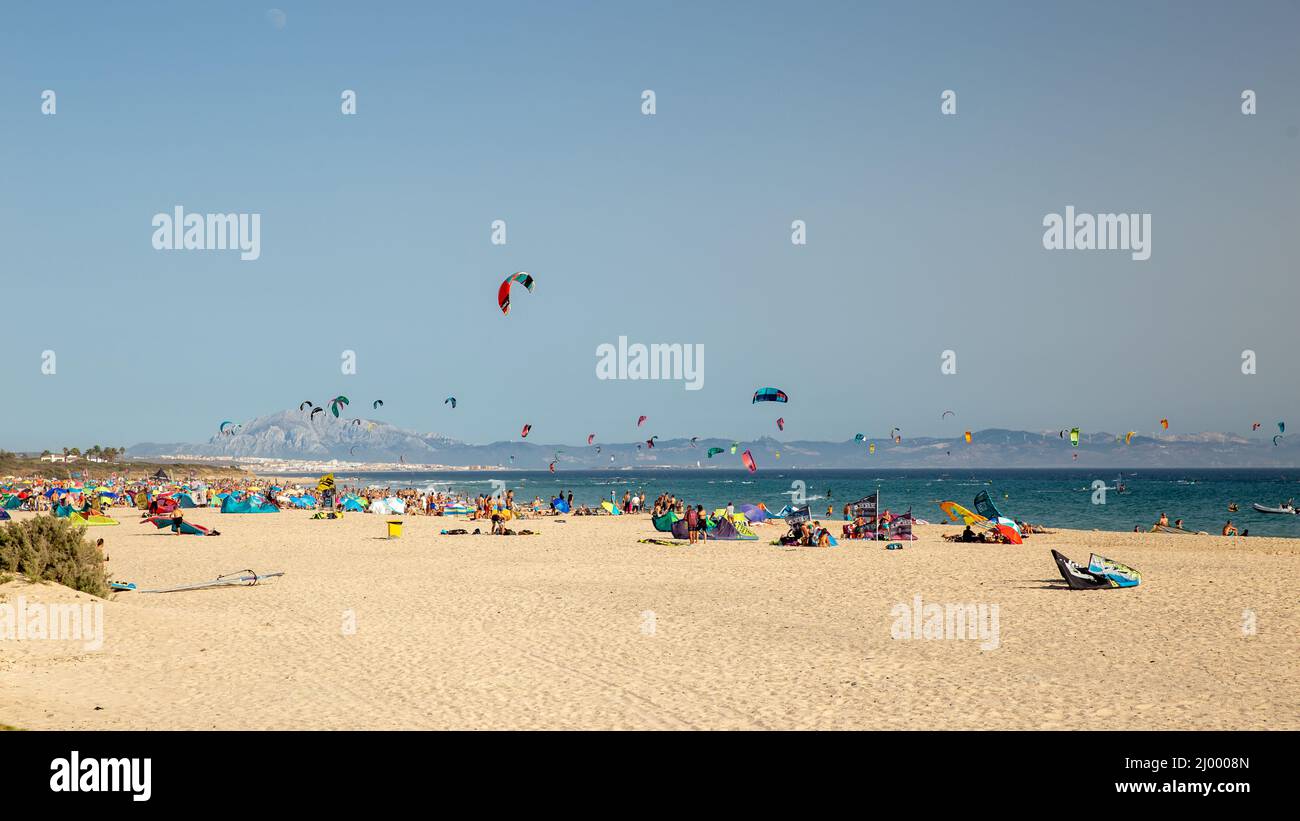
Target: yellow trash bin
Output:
{"points": [[395, 529]]}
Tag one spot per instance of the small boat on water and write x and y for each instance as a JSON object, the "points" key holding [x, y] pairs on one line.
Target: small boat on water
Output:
{"points": [[1279, 509]]}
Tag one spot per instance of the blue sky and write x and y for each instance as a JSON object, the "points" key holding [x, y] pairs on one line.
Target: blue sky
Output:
{"points": [[924, 231]]}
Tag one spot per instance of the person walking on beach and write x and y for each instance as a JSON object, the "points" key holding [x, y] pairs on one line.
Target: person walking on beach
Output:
{"points": [[692, 525], [703, 522]]}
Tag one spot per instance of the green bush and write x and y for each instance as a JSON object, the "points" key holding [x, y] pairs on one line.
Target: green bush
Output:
{"points": [[53, 550]]}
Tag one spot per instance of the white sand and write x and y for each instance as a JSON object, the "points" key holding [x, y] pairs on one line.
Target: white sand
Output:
{"points": [[552, 631]]}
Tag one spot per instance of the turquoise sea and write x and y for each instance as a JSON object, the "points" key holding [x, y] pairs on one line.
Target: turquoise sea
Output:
{"points": [[1059, 498]]}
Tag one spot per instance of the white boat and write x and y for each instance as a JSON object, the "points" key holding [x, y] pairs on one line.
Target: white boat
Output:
{"points": [[1280, 509]]}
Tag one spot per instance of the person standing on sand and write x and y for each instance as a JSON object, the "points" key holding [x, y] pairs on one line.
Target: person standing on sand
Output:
{"points": [[692, 525]]}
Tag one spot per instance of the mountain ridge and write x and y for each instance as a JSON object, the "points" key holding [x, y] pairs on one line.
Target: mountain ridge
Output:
{"points": [[294, 435]]}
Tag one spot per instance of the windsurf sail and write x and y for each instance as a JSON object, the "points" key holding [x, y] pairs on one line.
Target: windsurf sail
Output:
{"points": [[239, 577]]}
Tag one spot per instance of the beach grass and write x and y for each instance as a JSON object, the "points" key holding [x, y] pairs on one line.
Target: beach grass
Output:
{"points": [[51, 549]]}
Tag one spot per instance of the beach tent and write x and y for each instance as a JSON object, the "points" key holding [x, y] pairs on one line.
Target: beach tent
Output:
{"points": [[4, 515], [184, 500], [12, 503], [165, 504], [386, 507], [754, 513], [250, 505], [162, 475], [302, 502], [353, 503], [91, 521]]}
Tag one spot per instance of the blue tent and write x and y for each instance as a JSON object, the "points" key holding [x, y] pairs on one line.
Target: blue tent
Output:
{"points": [[250, 505]]}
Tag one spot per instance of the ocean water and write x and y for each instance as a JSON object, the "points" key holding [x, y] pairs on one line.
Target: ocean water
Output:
{"points": [[1059, 498]]}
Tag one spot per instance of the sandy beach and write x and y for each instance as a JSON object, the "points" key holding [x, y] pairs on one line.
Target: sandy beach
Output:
{"points": [[583, 627]]}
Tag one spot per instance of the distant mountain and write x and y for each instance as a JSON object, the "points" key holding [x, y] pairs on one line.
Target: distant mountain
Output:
{"points": [[292, 435]]}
